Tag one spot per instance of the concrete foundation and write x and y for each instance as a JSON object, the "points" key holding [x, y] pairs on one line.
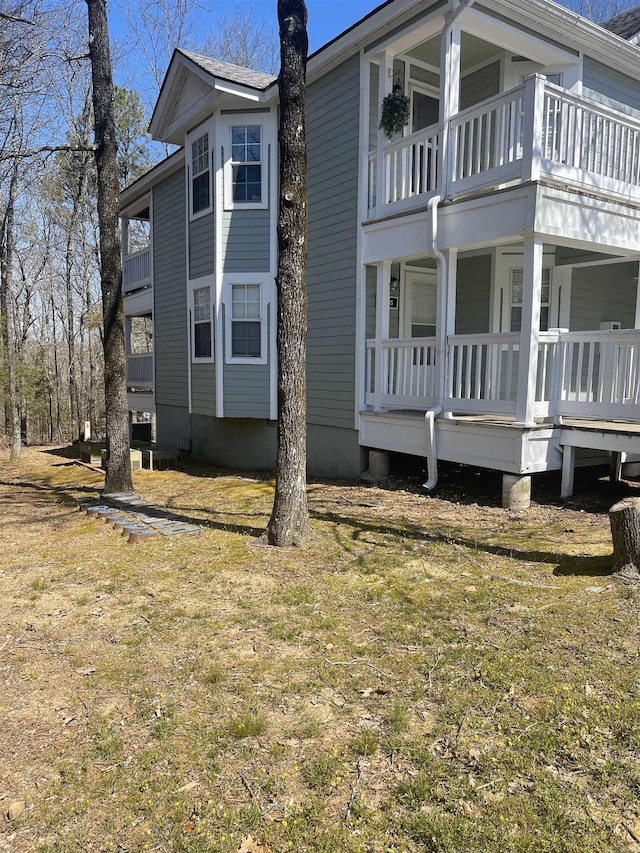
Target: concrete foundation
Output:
{"points": [[516, 491]]}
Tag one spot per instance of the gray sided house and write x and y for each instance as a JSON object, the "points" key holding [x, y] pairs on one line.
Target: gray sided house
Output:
{"points": [[472, 279]]}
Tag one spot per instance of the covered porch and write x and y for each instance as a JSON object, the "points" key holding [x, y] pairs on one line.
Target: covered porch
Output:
{"points": [[527, 335]]}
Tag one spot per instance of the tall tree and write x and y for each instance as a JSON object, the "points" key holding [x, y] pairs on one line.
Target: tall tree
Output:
{"points": [[289, 522], [118, 476]]}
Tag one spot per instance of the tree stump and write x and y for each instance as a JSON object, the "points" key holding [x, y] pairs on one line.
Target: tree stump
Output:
{"points": [[624, 518]]}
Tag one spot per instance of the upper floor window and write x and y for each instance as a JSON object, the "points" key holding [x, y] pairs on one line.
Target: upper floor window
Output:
{"points": [[246, 163], [200, 175]]}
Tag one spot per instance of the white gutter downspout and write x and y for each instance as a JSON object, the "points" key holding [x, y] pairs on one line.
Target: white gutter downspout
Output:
{"points": [[432, 457], [430, 414]]}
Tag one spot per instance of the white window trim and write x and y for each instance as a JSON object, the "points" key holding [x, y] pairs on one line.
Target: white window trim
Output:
{"points": [[265, 120], [193, 136], [195, 284], [263, 280]]}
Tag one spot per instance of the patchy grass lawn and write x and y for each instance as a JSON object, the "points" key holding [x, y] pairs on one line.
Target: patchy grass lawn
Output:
{"points": [[428, 675]]}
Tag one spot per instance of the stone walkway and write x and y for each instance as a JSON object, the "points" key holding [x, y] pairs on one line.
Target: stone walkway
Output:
{"points": [[157, 518]]}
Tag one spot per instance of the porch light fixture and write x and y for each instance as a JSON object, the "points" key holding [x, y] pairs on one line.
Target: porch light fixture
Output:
{"points": [[394, 281]]}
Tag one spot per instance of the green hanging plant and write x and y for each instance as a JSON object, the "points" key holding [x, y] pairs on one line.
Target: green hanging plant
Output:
{"points": [[396, 109]]}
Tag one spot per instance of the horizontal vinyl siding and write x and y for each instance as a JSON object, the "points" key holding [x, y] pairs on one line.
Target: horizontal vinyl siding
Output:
{"points": [[605, 84], [201, 246], [473, 295], [599, 294], [480, 85], [203, 389], [332, 144], [246, 391], [245, 240], [170, 292]]}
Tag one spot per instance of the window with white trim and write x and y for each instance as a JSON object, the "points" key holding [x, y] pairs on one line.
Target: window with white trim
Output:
{"points": [[246, 321], [246, 163], [516, 294], [201, 319], [200, 175]]}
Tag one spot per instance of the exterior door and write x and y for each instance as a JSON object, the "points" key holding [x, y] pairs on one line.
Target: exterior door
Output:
{"points": [[419, 304]]}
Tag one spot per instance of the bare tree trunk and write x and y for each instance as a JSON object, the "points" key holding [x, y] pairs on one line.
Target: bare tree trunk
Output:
{"points": [[118, 475], [289, 522], [6, 273], [624, 518]]}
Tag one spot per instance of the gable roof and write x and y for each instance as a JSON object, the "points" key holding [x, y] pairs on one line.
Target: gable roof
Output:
{"points": [[193, 83], [231, 73], [626, 24]]}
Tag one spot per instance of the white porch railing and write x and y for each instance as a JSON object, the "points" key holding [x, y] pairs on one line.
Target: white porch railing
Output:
{"points": [[483, 373], [578, 374], [600, 375], [140, 370], [536, 129], [408, 374], [136, 270]]}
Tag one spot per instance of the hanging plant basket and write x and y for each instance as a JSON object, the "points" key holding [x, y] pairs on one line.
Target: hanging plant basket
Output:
{"points": [[396, 109]]}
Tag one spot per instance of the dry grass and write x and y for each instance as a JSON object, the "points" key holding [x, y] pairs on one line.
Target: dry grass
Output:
{"points": [[428, 675]]}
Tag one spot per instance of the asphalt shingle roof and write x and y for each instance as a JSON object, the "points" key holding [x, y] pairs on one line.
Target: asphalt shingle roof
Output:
{"points": [[626, 24], [231, 73]]}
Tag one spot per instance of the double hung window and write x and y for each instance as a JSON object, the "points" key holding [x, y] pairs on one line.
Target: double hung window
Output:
{"points": [[200, 175], [246, 163], [201, 318], [517, 284], [246, 321]]}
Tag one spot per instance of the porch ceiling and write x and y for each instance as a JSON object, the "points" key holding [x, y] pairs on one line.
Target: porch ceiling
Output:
{"points": [[474, 51]]}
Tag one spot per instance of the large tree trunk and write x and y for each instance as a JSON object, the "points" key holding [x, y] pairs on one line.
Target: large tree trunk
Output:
{"points": [[7, 243], [289, 522], [624, 518], [118, 476]]}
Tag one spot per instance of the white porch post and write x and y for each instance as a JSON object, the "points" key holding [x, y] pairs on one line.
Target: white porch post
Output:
{"points": [[532, 126], [636, 324], [447, 317], [382, 328], [449, 98], [385, 85], [529, 331]]}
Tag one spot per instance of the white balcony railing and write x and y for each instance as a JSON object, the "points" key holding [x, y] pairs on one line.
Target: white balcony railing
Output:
{"points": [[136, 270], [577, 374], [140, 370], [535, 130]]}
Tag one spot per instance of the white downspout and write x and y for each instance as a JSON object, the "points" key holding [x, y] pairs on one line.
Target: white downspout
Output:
{"points": [[458, 7], [430, 414]]}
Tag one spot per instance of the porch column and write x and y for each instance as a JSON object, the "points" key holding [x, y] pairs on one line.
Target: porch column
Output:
{"points": [[447, 317], [382, 328], [636, 324], [385, 85], [449, 96], [529, 331]]}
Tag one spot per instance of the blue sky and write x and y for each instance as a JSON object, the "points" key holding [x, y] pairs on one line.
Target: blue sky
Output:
{"points": [[328, 18]]}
